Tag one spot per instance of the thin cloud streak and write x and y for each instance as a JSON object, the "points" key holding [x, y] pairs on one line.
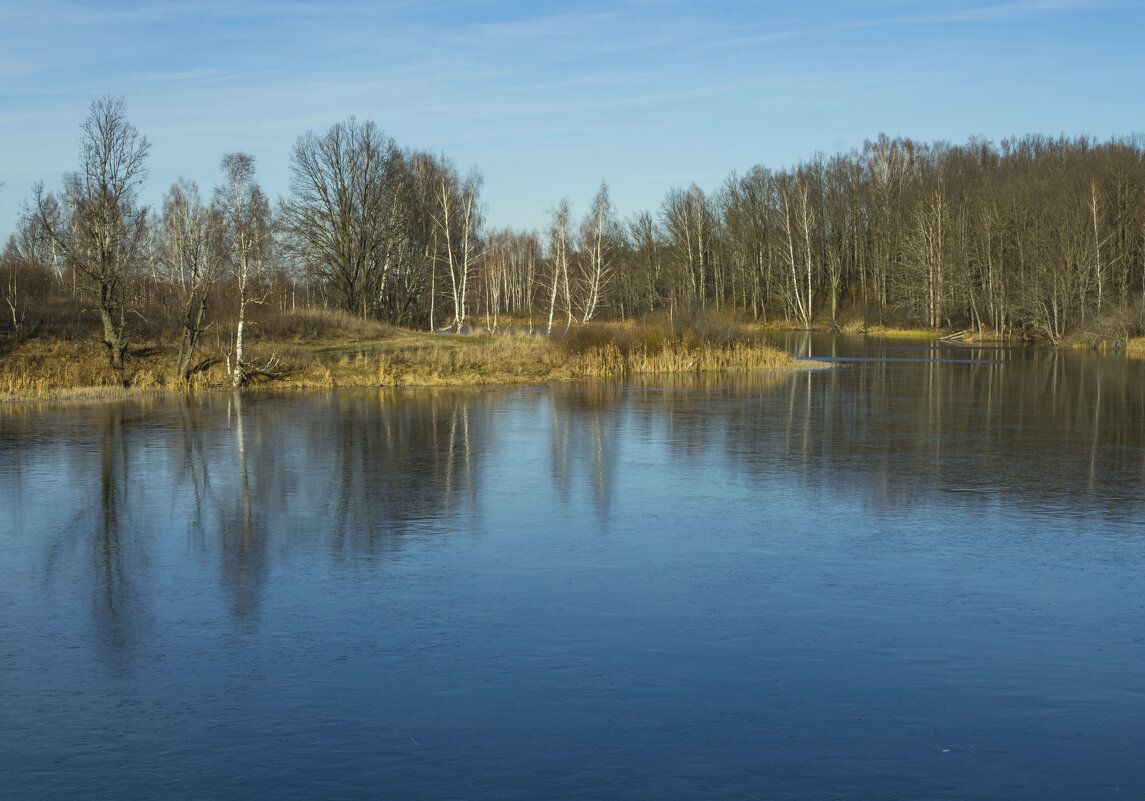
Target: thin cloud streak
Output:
{"points": [[544, 93]]}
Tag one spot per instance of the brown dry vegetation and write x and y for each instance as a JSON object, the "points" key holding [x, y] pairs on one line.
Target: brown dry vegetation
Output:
{"points": [[1136, 347], [335, 349]]}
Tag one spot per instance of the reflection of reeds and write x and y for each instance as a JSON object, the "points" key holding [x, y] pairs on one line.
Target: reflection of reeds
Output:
{"points": [[370, 355]]}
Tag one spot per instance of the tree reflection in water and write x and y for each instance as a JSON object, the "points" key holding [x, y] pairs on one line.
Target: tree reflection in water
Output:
{"points": [[252, 592], [248, 479], [116, 554]]}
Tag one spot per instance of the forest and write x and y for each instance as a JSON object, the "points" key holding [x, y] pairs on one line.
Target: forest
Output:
{"points": [[1033, 238]]}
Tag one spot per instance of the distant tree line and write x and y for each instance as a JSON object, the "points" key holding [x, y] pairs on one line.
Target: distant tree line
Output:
{"points": [[1035, 236]]}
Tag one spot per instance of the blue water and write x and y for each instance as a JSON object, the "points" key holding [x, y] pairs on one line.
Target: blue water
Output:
{"points": [[875, 581]]}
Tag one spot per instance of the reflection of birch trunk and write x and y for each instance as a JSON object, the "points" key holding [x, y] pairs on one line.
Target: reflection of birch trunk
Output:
{"points": [[560, 448], [459, 456], [600, 463], [244, 474], [802, 448], [451, 457], [242, 549], [193, 467]]}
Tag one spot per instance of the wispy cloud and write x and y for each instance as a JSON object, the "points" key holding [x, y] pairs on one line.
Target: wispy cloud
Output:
{"points": [[569, 89]]}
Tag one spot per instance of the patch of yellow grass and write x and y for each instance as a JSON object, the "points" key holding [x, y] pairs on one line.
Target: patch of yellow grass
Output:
{"points": [[903, 333], [858, 325], [1135, 346], [425, 359], [78, 369], [35, 370]]}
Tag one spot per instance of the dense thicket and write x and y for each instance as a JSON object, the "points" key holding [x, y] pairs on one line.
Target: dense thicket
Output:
{"points": [[1035, 236]]}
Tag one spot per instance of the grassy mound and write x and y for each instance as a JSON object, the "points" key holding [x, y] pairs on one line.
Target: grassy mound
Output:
{"points": [[333, 349]]}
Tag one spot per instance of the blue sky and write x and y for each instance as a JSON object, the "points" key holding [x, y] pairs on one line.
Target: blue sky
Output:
{"points": [[547, 99]]}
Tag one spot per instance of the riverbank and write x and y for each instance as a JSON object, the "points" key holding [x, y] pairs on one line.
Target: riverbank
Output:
{"points": [[356, 354]]}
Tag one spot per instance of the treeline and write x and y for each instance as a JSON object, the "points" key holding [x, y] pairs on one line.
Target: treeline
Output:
{"points": [[1034, 237]]}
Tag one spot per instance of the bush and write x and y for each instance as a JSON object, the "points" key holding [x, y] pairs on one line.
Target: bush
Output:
{"points": [[593, 336]]}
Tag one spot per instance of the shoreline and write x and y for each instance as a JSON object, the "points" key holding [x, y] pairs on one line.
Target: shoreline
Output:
{"points": [[77, 371]]}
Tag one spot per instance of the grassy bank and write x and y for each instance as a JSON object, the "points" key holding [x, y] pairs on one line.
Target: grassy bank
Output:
{"points": [[323, 349], [1136, 347]]}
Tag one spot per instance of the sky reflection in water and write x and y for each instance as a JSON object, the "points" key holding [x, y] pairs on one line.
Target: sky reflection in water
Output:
{"points": [[882, 580]]}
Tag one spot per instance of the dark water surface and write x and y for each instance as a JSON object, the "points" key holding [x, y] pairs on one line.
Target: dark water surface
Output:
{"points": [[921, 576]]}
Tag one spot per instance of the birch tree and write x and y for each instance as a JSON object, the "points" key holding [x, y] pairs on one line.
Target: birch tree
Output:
{"points": [[795, 215], [599, 233], [559, 261], [247, 227], [457, 219]]}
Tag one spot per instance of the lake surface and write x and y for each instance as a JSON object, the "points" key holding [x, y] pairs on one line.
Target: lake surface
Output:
{"points": [[918, 574]]}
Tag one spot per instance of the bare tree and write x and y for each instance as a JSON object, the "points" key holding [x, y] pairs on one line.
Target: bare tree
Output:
{"points": [[247, 227], [599, 234], [559, 248], [190, 259], [27, 264], [646, 266], [341, 213], [688, 223], [410, 240], [14, 296], [457, 220], [796, 215], [495, 275], [98, 228]]}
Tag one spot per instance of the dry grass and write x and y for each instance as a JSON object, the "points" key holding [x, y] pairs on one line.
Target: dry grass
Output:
{"points": [[856, 325], [35, 369], [354, 353], [323, 325], [859, 325], [423, 359], [891, 332], [706, 344], [1136, 347]]}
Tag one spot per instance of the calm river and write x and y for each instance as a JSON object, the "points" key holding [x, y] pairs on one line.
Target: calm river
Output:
{"points": [[917, 575]]}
